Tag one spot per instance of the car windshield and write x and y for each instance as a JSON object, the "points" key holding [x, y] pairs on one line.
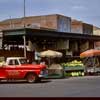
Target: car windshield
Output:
{"points": [[23, 61]]}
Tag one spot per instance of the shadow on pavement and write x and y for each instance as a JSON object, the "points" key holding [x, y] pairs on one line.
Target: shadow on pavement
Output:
{"points": [[44, 81], [60, 78], [22, 82], [25, 82]]}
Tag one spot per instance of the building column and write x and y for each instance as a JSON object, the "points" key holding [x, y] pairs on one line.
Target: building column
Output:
{"points": [[24, 39]]}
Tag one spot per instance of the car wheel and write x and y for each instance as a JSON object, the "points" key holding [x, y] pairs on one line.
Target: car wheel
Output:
{"points": [[31, 78]]}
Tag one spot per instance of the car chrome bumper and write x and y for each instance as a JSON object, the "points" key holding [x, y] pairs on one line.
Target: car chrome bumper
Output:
{"points": [[43, 74]]}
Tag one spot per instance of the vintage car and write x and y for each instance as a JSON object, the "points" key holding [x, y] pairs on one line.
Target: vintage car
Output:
{"points": [[18, 68]]}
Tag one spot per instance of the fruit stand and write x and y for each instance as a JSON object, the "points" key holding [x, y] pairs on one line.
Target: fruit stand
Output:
{"points": [[91, 60], [55, 70], [73, 68]]}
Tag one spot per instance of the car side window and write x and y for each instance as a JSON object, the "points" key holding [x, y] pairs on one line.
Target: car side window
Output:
{"points": [[13, 62], [16, 62]]}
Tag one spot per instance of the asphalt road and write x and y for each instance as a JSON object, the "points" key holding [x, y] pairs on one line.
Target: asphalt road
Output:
{"points": [[88, 86]]}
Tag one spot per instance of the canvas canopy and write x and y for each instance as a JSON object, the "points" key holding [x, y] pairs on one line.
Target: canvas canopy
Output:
{"points": [[50, 54], [90, 53]]}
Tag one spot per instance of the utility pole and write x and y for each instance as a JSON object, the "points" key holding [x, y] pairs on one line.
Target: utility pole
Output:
{"points": [[24, 11], [10, 22], [24, 37]]}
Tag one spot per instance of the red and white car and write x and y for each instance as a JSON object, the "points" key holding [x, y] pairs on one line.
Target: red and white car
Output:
{"points": [[18, 68]]}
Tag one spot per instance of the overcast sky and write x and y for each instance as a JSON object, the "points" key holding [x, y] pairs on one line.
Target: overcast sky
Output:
{"points": [[84, 10]]}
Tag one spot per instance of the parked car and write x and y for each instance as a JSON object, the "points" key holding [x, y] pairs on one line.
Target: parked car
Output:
{"points": [[18, 68]]}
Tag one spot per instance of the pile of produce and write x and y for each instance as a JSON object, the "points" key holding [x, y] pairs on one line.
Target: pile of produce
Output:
{"points": [[74, 68], [73, 63], [74, 74]]}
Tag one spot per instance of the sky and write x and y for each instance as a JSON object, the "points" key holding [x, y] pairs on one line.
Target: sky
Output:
{"points": [[82, 10]]}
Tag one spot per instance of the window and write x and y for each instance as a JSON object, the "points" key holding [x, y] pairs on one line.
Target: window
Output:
{"points": [[23, 61], [13, 62], [16, 62]]}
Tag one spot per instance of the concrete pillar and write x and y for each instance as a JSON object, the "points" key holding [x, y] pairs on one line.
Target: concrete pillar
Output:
{"points": [[24, 39]]}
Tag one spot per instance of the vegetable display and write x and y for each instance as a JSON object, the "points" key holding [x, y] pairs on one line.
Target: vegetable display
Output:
{"points": [[73, 63], [73, 68]]}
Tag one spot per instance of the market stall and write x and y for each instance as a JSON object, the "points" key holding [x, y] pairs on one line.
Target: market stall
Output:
{"points": [[91, 60], [55, 70], [74, 68]]}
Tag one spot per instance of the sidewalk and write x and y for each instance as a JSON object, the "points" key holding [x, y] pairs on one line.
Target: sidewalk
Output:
{"points": [[82, 77]]}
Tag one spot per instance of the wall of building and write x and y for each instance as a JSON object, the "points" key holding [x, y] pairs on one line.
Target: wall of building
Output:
{"points": [[64, 24], [96, 30], [1, 40], [76, 26], [54, 22], [84, 46], [16, 53], [87, 29], [81, 27]]}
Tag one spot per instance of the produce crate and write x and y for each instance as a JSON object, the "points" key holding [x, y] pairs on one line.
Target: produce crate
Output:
{"points": [[75, 68], [74, 74], [55, 76]]}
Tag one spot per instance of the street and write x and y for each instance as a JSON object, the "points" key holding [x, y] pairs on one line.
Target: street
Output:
{"points": [[87, 86]]}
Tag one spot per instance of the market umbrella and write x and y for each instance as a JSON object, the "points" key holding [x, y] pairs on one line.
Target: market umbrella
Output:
{"points": [[90, 53], [50, 54]]}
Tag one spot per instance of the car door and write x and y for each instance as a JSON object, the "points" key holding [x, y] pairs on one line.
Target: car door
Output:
{"points": [[11, 69], [2, 72]]}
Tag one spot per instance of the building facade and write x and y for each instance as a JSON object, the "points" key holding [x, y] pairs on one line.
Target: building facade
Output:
{"points": [[54, 22], [55, 32], [81, 27]]}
